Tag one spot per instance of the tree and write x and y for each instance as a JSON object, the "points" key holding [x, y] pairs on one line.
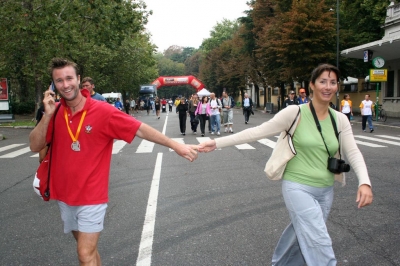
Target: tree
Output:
{"points": [[360, 22], [168, 67], [300, 39], [179, 54], [192, 64], [211, 70], [87, 32], [221, 32]]}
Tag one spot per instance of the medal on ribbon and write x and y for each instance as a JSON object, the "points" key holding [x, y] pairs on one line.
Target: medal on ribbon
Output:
{"points": [[75, 146]]}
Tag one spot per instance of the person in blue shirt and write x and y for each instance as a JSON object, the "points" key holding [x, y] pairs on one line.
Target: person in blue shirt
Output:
{"points": [[118, 104], [88, 83], [302, 99]]}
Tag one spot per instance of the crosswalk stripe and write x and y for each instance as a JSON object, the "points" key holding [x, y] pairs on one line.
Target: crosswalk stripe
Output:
{"points": [[117, 146], [202, 139], [388, 137], [35, 155], [378, 140], [145, 147], [179, 140], [369, 144], [16, 153], [267, 142], [9, 147], [245, 147]]}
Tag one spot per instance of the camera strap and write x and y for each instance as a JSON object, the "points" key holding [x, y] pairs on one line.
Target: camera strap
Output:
{"points": [[320, 129]]}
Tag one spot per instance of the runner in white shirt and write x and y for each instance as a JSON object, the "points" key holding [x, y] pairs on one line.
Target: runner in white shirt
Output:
{"points": [[366, 112]]}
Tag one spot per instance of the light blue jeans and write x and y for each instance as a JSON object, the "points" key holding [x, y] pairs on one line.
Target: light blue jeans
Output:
{"points": [[306, 238], [215, 122]]}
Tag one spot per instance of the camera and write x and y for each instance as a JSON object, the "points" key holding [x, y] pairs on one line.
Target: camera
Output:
{"points": [[337, 166]]}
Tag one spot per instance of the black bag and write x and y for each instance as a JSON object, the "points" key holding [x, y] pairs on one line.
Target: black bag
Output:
{"points": [[197, 119]]}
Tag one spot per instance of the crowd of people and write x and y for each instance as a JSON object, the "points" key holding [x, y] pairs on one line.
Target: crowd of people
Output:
{"points": [[345, 107], [217, 111]]}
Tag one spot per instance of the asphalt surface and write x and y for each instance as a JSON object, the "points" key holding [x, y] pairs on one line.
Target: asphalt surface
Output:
{"points": [[218, 210]]}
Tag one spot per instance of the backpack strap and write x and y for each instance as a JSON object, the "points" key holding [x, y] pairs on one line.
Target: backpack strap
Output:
{"points": [[294, 121], [47, 192]]}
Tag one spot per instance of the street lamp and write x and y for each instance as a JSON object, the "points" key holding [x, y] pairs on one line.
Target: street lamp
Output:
{"points": [[337, 50]]}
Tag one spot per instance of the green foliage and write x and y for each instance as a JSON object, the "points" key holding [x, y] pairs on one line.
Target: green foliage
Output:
{"points": [[168, 67], [221, 32], [179, 54], [306, 38], [105, 38], [22, 108]]}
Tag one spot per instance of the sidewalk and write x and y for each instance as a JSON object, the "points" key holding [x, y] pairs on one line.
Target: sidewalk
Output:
{"points": [[393, 122], [390, 122]]}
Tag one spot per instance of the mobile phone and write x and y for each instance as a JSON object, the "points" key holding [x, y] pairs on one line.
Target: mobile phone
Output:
{"points": [[53, 88]]}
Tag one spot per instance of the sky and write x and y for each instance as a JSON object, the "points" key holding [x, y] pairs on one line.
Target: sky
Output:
{"points": [[187, 22]]}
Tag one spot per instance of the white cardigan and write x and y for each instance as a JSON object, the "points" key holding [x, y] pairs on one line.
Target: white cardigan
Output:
{"points": [[283, 120]]}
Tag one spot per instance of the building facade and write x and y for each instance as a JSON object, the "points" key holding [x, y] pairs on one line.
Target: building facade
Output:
{"points": [[387, 48]]}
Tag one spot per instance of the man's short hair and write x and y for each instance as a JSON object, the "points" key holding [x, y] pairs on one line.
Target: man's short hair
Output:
{"points": [[57, 63], [88, 79]]}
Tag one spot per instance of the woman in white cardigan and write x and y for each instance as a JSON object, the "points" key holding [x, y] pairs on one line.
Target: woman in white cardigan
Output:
{"points": [[307, 185]]}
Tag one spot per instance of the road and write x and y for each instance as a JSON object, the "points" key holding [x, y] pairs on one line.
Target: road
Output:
{"points": [[218, 210]]}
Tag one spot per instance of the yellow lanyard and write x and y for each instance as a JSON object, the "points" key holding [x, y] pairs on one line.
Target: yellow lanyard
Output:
{"points": [[74, 138]]}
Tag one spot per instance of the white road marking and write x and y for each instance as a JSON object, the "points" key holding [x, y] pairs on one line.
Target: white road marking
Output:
{"points": [[245, 147], [202, 139], [145, 147], [179, 140], [369, 144], [388, 137], [117, 146], [16, 153], [9, 147], [378, 140], [267, 142], [165, 125], [35, 155], [146, 242]]}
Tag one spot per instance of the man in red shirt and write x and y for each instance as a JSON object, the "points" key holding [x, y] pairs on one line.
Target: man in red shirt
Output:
{"points": [[164, 105], [84, 131]]}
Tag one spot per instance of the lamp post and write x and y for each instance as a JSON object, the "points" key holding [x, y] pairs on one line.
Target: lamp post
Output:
{"points": [[337, 50]]}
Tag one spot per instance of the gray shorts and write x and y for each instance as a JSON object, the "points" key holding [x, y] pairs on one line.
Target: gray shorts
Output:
{"points": [[86, 218], [228, 117]]}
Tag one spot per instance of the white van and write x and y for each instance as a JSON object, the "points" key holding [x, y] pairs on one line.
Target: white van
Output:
{"points": [[112, 97]]}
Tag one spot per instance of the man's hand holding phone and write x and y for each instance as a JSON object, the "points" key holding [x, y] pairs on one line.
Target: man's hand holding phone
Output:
{"points": [[49, 100]]}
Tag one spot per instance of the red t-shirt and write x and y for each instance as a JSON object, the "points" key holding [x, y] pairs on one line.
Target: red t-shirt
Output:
{"points": [[81, 177]]}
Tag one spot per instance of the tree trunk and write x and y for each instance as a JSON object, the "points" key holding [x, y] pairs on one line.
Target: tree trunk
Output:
{"points": [[257, 96]]}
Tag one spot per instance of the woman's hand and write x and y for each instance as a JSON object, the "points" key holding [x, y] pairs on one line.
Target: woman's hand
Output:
{"points": [[207, 146], [364, 196]]}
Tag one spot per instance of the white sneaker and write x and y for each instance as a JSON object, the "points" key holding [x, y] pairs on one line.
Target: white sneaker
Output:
{"points": [[226, 130], [218, 133], [231, 130], [212, 133]]}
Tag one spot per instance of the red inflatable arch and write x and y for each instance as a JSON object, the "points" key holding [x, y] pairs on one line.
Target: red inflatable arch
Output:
{"points": [[179, 80]]}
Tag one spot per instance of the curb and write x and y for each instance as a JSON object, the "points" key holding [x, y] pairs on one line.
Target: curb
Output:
{"points": [[24, 127], [378, 124], [18, 127]]}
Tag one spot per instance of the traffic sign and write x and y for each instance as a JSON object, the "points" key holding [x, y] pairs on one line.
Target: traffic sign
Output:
{"points": [[378, 75]]}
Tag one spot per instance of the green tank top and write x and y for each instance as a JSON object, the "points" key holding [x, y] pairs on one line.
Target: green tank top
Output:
{"points": [[309, 166]]}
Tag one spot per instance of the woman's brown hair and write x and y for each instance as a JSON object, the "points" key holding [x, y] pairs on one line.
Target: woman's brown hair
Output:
{"points": [[321, 69]]}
